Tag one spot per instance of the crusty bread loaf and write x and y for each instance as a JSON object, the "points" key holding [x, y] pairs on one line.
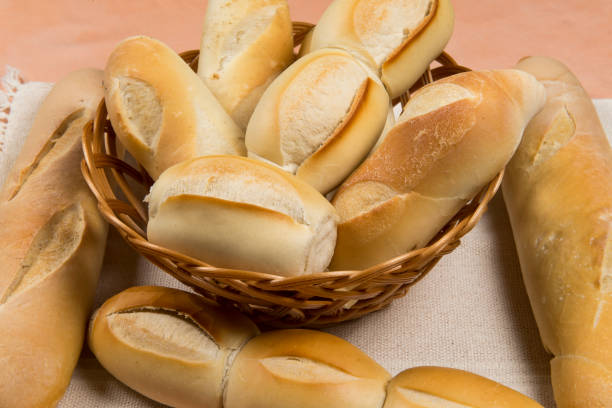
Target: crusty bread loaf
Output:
{"points": [[52, 241], [176, 348], [558, 191], [161, 110], [453, 137], [304, 368], [439, 387], [319, 118], [399, 38], [241, 213], [168, 344], [245, 45]]}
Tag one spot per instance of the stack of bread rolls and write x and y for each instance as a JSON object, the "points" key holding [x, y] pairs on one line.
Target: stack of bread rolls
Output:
{"points": [[177, 348], [52, 241], [313, 125], [558, 191]]}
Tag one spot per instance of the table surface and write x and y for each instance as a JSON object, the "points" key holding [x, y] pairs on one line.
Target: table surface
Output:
{"points": [[48, 39]]}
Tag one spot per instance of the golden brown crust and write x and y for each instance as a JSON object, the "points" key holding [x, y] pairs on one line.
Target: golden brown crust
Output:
{"points": [[558, 192], [348, 142], [304, 368], [445, 386], [365, 116], [191, 122], [245, 210], [137, 354], [453, 137], [52, 244], [400, 56]]}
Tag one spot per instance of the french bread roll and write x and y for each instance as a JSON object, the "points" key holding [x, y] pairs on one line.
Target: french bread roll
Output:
{"points": [[245, 45], [399, 38], [453, 137], [161, 110], [169, 345], [241, 213], [306, 369], [176, 348], [558, 191], [439, 387], [319, 118], [52, 241]]}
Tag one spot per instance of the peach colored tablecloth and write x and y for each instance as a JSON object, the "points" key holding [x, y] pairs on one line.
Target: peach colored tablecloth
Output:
{"points": [[47, 39]]}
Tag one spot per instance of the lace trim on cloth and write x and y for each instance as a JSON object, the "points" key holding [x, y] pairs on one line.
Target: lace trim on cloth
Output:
{"points": [[9, 86], [19, 102]]}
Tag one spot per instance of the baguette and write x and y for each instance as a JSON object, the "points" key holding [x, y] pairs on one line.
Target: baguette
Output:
{"points": [[161, 110], [245, 45], [453, 137], [396, 37], [236, 212], [558, 192], [277, 369], [52, 241], [319, 118]]}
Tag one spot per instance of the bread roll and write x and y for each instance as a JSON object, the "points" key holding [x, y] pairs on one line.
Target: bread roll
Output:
{"points": [[453, 137], [558, 191], [161, 110], [52, 242], [169, 345], [176, 348], [240, 213], [319, 118], [399, 38], [245, 45], [306, 369], [439, 387]]}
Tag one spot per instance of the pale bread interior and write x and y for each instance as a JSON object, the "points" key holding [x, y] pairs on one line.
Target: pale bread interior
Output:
{"points": [[165, 333], [45, 152], [383, 25], [433, 97], [361, 198], [560, 131], [315, 103], [247, 189], [322, 246], [242, 34], [304, 370], [142, 108], [54, 243], [426, 400]]}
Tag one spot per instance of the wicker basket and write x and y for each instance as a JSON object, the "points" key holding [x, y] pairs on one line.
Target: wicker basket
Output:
{"points": [[305, 301]]}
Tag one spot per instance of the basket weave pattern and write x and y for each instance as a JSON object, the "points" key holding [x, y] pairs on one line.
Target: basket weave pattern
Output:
{"points": [[314, 300]]}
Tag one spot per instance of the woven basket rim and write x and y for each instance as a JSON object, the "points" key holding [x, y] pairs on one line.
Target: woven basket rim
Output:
{"points": [[325, 297]]}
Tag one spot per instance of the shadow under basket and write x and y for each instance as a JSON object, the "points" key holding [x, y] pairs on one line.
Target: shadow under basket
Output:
{"points": [[316, 300]]}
